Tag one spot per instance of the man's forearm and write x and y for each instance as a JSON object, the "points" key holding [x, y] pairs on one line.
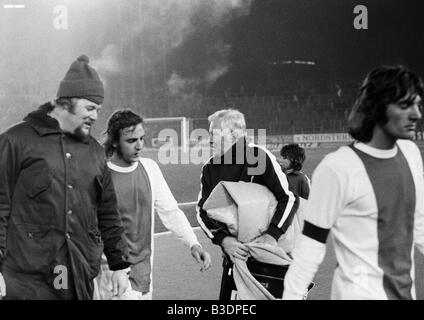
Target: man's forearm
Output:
{"points": [[116, 249]]}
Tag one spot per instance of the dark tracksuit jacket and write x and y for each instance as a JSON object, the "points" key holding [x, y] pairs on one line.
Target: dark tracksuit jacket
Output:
{"points": [[249, 163], [298, 183]]}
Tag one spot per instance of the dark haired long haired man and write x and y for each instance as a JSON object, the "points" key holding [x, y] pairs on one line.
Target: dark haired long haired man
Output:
{"points": [[291, 162], [141, 190], [370, 195], [57, 202]]}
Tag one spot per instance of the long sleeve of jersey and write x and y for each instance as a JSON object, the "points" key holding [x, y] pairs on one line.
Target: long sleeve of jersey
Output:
{"points": [[171, 216], [419, 209], [325, 204]]}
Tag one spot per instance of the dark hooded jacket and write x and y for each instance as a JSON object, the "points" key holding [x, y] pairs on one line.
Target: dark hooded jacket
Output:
{"points": [[57, 212]]}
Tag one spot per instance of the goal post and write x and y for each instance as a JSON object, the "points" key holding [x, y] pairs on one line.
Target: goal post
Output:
{"points": [[179, 125]]}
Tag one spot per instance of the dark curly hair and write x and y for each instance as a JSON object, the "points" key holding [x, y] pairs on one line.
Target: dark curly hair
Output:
{"points": [[296, 155], [381, 87], [119, 120]]}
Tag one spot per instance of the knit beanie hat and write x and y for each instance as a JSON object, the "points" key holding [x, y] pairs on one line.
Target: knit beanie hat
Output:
{"points": [[81, 81]]}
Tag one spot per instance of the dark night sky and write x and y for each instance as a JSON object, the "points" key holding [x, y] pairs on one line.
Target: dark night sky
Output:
{"points": [[143, 44], [323, 31]]}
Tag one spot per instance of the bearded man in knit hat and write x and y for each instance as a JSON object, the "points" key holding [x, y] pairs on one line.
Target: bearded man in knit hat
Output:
{"points": [[57, 202]]}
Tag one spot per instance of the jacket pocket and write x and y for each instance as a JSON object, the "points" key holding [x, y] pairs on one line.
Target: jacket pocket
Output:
{"points": [[33, 202], [95, 236], [31, 248], [40, 182]]}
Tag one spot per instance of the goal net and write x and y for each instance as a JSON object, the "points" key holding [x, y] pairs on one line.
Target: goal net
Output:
{"points": [[173, 131]]}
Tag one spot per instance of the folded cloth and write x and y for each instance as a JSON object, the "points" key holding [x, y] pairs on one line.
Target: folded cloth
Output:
{"points": [[247, 209], [248, 287]]}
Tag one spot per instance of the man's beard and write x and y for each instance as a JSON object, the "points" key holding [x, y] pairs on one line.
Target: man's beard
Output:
{"points": [[121, 155], [81, 135]]}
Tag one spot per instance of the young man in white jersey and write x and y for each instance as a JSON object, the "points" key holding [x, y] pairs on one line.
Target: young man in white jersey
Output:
{"points": [[141, 189], [370, 195]]}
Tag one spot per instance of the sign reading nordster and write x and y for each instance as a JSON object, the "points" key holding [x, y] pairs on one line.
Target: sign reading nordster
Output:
{"points": [[322, 137]]}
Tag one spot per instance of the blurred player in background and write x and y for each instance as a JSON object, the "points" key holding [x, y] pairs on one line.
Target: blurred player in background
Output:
{"points": [[370, 195], [291, 161]]}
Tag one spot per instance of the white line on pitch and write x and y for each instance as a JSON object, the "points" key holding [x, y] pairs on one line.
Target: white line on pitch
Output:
{"points": [[14, 6], [187, 203], [169, 232]]}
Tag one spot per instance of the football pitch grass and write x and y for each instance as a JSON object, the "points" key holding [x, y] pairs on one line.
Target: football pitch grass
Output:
{"points": [[176, 275]]}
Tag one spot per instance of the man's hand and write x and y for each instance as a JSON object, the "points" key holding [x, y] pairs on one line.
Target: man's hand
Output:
{"points": [[2, 287], [266, 238], [235, 249], [201, 256], [120, 282]]}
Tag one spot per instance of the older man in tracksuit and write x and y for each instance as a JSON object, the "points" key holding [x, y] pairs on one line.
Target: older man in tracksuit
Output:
{"points": [[237, 160]]}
